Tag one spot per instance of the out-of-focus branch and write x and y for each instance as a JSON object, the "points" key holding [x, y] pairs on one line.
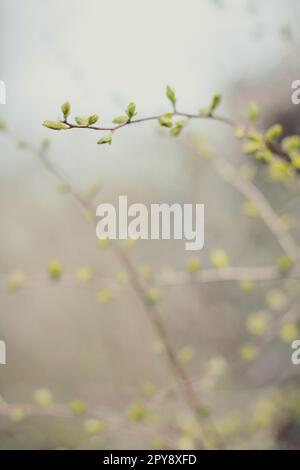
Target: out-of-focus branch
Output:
{"points": [[188, 391], [267, 213]]}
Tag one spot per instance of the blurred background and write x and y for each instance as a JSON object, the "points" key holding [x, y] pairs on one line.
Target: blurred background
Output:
{"points": [[85, 367]]}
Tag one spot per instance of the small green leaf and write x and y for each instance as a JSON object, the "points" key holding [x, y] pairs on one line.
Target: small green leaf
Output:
{"points": [[66, 108], [55, 125], [130, 110], [253, 113], [274, 132], [81, 121], [176, 130], [171, 96], [265, 156], [251, 147], [215, 103], [239, 132], [93, 119], [107, 139], [120, 119], [255, 136], [166, 120]]}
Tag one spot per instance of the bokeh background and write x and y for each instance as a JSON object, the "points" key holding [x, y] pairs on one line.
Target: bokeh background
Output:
{"points": [[85, 368]]}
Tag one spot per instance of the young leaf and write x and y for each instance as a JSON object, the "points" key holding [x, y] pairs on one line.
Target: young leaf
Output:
{"points": [[216, 101], [55, 125], [120, 119], [130, 110], [93, 119], [166, 120], [239, 132], [253, 113], [176, 130], [66, 108], [171, 96], [251, 147], [107, 139], [274, 132], [81, 121]]}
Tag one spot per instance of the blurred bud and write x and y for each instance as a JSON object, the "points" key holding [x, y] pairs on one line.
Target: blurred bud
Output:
{"points": [[247, 286], [54, 269], [17, 415], [220, 259], [94, 426], [193, 265], [274, 132], [250, 209], [257, 323], [186, 354], [253, 113], [104, 242], [248, 352], [239, 132], [289, 332], [284, 263], [83, 274], [251, 147], [78, 406], [15, 280], [153, 295], [137, 413], [43, 397], [276, 299], [105, 295]]}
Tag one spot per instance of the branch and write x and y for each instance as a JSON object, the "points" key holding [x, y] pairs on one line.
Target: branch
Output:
{"points": [[263, 145]]}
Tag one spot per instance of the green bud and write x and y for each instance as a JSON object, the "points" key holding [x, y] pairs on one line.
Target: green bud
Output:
{"points": [[239, 132], [291, 143], [66, 108], [105, 140], [93, 119], [253, 113], [265, 156], [171, 96], [130, 110], [2, 124], [120, 119], [81, 121], [255, 136], [55, 125], [166, 120], [274, 132], [251, 147], [176, 130], [215, 103]]}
